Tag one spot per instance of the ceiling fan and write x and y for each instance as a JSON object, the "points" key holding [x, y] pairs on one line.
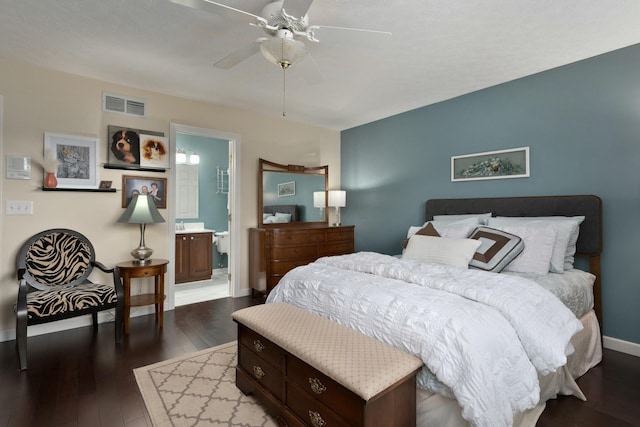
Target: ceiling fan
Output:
{"points": [[286, 24]]}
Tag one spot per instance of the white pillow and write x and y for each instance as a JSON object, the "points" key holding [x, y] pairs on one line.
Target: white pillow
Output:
{"points": [[441, 250], [265, 216], [539, 239], [456, 230], [269, 219], [482, 218], [283, 217], [567, 229]]}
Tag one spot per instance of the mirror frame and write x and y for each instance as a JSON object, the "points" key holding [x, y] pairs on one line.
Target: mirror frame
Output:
{"points": [[267, 166]]}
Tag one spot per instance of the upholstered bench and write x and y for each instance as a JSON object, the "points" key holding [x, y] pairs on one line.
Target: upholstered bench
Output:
{"points": [[308, 370]]}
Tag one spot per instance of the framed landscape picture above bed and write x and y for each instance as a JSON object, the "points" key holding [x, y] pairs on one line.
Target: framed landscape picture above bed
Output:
{"points": [[511, 163]]}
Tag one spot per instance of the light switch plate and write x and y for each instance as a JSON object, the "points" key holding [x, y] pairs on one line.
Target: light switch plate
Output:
{"points": [[19, 207]]}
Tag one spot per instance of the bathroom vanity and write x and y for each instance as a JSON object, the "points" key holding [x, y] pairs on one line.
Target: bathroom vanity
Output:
{"points": [[194, 251]]}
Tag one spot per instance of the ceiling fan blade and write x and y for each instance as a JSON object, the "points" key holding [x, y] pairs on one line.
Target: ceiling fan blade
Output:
{"points": [[297, 8], [237, 56], [220, 9], [311, 71], [316, 27]]}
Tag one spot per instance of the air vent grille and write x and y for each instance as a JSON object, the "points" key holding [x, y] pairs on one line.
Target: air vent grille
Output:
{"points": [[120, 104]]}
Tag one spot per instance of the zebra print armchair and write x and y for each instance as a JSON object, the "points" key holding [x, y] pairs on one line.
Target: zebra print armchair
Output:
{"points": [[53, 270]]}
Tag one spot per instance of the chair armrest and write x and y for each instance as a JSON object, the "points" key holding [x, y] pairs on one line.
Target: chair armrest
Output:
{"points": [[21, 303], [102, 267], [115, 272]]}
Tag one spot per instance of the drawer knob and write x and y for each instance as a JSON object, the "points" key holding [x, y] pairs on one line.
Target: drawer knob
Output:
{"points": [[258, 372], [258, 346], [316, 386], [316, 419]]}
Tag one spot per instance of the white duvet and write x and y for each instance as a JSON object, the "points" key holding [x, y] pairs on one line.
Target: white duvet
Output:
{"points": [[482, 336]]}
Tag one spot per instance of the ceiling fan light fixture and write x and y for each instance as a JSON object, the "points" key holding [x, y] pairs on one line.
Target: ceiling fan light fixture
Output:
{"points": [[283, 50]]}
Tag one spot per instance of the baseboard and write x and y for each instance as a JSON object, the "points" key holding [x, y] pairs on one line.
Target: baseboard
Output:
{"points": [[616, 344]]}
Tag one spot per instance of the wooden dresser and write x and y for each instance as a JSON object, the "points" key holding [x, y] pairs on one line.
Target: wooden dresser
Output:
{"points": [[275, 251]]}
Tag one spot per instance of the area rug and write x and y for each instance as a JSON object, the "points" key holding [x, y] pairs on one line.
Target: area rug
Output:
{"points": [[198, 390]]}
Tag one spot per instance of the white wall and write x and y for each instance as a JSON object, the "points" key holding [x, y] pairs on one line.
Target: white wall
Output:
{"points": [[38, 101]]}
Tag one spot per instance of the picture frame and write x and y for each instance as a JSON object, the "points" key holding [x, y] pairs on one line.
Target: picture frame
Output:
{"points": [[77, 157], [126, 149], [287, 189], [133, 184], [501, 164]]}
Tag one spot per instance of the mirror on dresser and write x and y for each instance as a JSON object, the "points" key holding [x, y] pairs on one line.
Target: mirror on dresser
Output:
{"points": [[292, 195]]}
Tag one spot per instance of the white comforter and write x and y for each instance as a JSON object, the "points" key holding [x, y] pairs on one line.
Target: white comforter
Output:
{"points": [[482, 336]]}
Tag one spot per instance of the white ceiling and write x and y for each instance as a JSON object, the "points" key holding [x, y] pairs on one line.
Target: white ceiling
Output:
{"points": [[438, 50]]}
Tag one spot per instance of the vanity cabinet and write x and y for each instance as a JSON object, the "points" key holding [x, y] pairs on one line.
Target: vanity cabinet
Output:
{"points": [[275, 251], [194, 253]]}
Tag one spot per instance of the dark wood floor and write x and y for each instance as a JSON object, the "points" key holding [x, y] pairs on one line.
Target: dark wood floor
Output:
{"points": [[80, 378]]}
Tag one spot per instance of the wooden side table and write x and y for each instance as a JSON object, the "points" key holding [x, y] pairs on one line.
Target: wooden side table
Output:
{"points": [[156, 268]]}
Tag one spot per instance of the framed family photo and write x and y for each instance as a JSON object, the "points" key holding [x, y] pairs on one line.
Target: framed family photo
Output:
{"points": [[156, 187], [77, 158], [512, 163]]}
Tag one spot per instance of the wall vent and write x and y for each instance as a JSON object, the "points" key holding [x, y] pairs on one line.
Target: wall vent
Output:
{"points": [[120, 104]]}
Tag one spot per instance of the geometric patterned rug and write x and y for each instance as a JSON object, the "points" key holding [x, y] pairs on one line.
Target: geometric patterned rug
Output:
{"points": [[199, 390]]}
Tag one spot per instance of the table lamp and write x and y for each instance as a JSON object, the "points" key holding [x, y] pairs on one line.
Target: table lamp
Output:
{"points": [[337, 199], [141, 210]]}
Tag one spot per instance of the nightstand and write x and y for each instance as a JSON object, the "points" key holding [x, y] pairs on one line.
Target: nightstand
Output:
{"points": [[156, 268]]}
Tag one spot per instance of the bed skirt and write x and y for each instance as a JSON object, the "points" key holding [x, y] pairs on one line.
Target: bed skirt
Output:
{"points": [[435, 410]]}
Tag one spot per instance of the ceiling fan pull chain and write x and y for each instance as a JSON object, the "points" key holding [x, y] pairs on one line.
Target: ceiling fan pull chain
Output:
{"points": [[284, 92]]}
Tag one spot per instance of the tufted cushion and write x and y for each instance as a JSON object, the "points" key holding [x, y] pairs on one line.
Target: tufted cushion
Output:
{"points": [[58, 258], [60, 300], [362, 364]]}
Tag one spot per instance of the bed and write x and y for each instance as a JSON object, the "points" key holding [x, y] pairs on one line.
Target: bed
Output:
{"points": [[496, 345]]}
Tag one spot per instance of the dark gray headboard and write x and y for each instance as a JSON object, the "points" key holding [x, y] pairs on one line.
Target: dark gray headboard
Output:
{"points": [[589, 240], [285, 209], [590, 237]]}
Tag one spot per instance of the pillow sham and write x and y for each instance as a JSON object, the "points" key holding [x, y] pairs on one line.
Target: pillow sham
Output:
{"points": [[441, 250], [427, 230], [265, 216], [457, 229], [283, 217], [482, 218], [539, 239], [497, 249], [567, 229], [270, 219]]}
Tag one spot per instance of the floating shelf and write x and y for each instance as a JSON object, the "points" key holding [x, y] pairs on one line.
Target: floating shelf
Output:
{"points": [[132, 167], [93, 190]]}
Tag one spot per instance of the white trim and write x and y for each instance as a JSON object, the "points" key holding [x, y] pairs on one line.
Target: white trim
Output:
{"points": [[234, 203], [622, 346]]}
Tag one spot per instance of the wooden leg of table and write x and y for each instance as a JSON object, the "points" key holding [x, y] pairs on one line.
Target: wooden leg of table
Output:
{"points": [[127, 303], [160, 296]]}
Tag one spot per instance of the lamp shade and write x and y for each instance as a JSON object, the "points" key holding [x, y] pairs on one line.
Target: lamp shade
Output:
{"points": [[337, 198], [283, 50], [319, 199], [141, 210]]}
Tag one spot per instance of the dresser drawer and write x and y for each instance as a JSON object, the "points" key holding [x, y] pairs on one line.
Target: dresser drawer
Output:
{"points": [[262, 372], [340, 234], [261, 346], [297, 237], [296, 252], [328, 249], [282, 267], [311, 410], [323, 389]]}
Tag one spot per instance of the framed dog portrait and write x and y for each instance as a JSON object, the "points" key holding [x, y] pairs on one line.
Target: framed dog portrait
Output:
{"points": [[126, 152], [155, 187], [154, 151], [77, 158]]}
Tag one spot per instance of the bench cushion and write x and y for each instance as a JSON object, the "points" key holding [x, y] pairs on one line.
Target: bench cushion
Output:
{"points": [[360, 363]]}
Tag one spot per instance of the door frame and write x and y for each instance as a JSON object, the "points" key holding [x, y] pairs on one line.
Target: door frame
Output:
{"points": [[234, 205]]}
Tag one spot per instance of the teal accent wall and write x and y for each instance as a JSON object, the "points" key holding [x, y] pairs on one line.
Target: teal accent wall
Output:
{"points": [[213, 206], [582, 124]]}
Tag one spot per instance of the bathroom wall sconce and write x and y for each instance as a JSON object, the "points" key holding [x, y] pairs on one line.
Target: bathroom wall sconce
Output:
{"points": [[181, 156], [337, 199]]}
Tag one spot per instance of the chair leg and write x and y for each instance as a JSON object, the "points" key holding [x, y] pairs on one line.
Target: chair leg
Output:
{"points": [[94, 317], [119, 323], [21, 341]]}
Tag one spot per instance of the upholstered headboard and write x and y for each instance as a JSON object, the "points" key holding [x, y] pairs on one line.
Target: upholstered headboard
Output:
{"points": [[285, 209], [590, 237]]}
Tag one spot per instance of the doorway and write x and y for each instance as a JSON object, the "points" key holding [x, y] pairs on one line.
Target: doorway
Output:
{"points": [[212, 157]]}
